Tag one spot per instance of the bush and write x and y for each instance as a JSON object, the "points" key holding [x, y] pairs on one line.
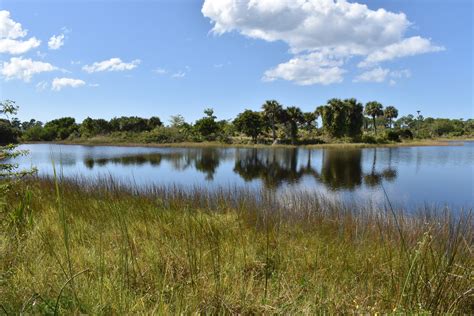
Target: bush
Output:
{"points": [[405, 134], [164, 135], [368, 139], [392, 136]]}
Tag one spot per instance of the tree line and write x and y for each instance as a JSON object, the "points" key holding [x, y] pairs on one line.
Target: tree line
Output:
{"points": [[347, 119]]}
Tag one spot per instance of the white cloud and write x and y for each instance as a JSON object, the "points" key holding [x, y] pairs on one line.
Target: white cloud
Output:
{"points": [[112, 64], [404, 73], [375, 75], [94, 85], [333, 28], [314, 68], [380, 74], [407, 47], [11, 34], [24, 69], [179, 74], [42, 85], [56, 41], [59, 83], [160, 71]]}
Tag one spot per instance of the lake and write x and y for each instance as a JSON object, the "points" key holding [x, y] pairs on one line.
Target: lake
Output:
{"points": [[411, 176]]}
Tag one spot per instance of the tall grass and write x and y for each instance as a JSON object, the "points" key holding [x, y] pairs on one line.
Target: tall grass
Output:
{"points": [[103, 248]]}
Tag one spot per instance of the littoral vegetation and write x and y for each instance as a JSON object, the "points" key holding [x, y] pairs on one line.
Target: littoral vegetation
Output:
{"points": [[100, 248], [342, 121]]}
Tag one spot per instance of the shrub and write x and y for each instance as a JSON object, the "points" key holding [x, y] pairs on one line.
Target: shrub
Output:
{"points": [[392, 136], [368, 139], [406, 134], [164, 135]]}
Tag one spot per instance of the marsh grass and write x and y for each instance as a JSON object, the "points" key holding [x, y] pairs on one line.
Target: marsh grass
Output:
{"points": [[73, 246]]}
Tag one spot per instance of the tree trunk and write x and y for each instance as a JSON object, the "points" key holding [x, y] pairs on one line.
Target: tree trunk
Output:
{"points": [[375, 125]]}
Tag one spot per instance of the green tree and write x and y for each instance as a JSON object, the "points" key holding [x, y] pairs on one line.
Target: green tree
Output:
{"points": [[92, 127], [8, 169], [334, 117], [390, 113], [354, 117], [62, 128], [250, 123], [207, 126], [374, 109], [129, 124], [272, 111], [154, 122], [293, 117], [309, 119]]}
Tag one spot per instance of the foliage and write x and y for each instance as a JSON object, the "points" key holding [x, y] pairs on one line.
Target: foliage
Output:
{"points": [[390, 113], [207, 127], [61, 128], [374, 109], [8, 169], [342, 118], [163, 135], [272, 114], [91, 127], [129, 124], [293, 116], [250, 123]]}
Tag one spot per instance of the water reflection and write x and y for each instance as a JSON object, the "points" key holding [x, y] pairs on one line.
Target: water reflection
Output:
{"points": [[410, 175], [272, 167], [335, 169]]}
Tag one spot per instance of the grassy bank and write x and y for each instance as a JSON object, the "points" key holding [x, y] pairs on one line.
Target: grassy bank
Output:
{"points": [[104, 141], [73, 247]]}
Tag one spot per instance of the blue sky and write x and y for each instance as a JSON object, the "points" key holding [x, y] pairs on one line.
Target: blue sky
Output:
{"points": [[113, 58]]}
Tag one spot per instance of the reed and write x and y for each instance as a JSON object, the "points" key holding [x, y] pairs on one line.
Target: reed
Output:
{"points": [[73, 246]]}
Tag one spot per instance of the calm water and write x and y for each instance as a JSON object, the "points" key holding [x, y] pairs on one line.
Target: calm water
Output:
{"points": [[412, 176]]}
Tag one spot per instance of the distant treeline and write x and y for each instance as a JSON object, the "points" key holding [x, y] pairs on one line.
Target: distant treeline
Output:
{"points": [[347, 120]]}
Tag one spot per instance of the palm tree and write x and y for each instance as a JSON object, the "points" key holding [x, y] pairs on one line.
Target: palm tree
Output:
{"points": [[293, 117], [390, 113], [271, 112], [374, 109]]}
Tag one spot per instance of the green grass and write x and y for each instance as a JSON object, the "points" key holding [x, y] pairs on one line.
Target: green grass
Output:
{"points": [[106, 141], [99, 248]]}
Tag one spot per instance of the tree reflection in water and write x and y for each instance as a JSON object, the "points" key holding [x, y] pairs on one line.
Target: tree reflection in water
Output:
{"points": [[339, 169]]}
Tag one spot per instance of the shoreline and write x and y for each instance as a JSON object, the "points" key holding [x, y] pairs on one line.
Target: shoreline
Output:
{"points": [[420, 143]]}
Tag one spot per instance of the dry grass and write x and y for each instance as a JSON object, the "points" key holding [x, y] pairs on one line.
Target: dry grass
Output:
{"points": [[99, 248]]}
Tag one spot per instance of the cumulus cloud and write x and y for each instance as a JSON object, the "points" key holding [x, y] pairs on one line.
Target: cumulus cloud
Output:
{"points": [[331, 28], [314, 68], [59, 83], [407, 47], [56, 41], [24, 69], [12, 34], [112, 64]]}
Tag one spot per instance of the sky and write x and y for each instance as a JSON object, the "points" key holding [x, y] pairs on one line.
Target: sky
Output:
{"points": [[160, 58]]}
